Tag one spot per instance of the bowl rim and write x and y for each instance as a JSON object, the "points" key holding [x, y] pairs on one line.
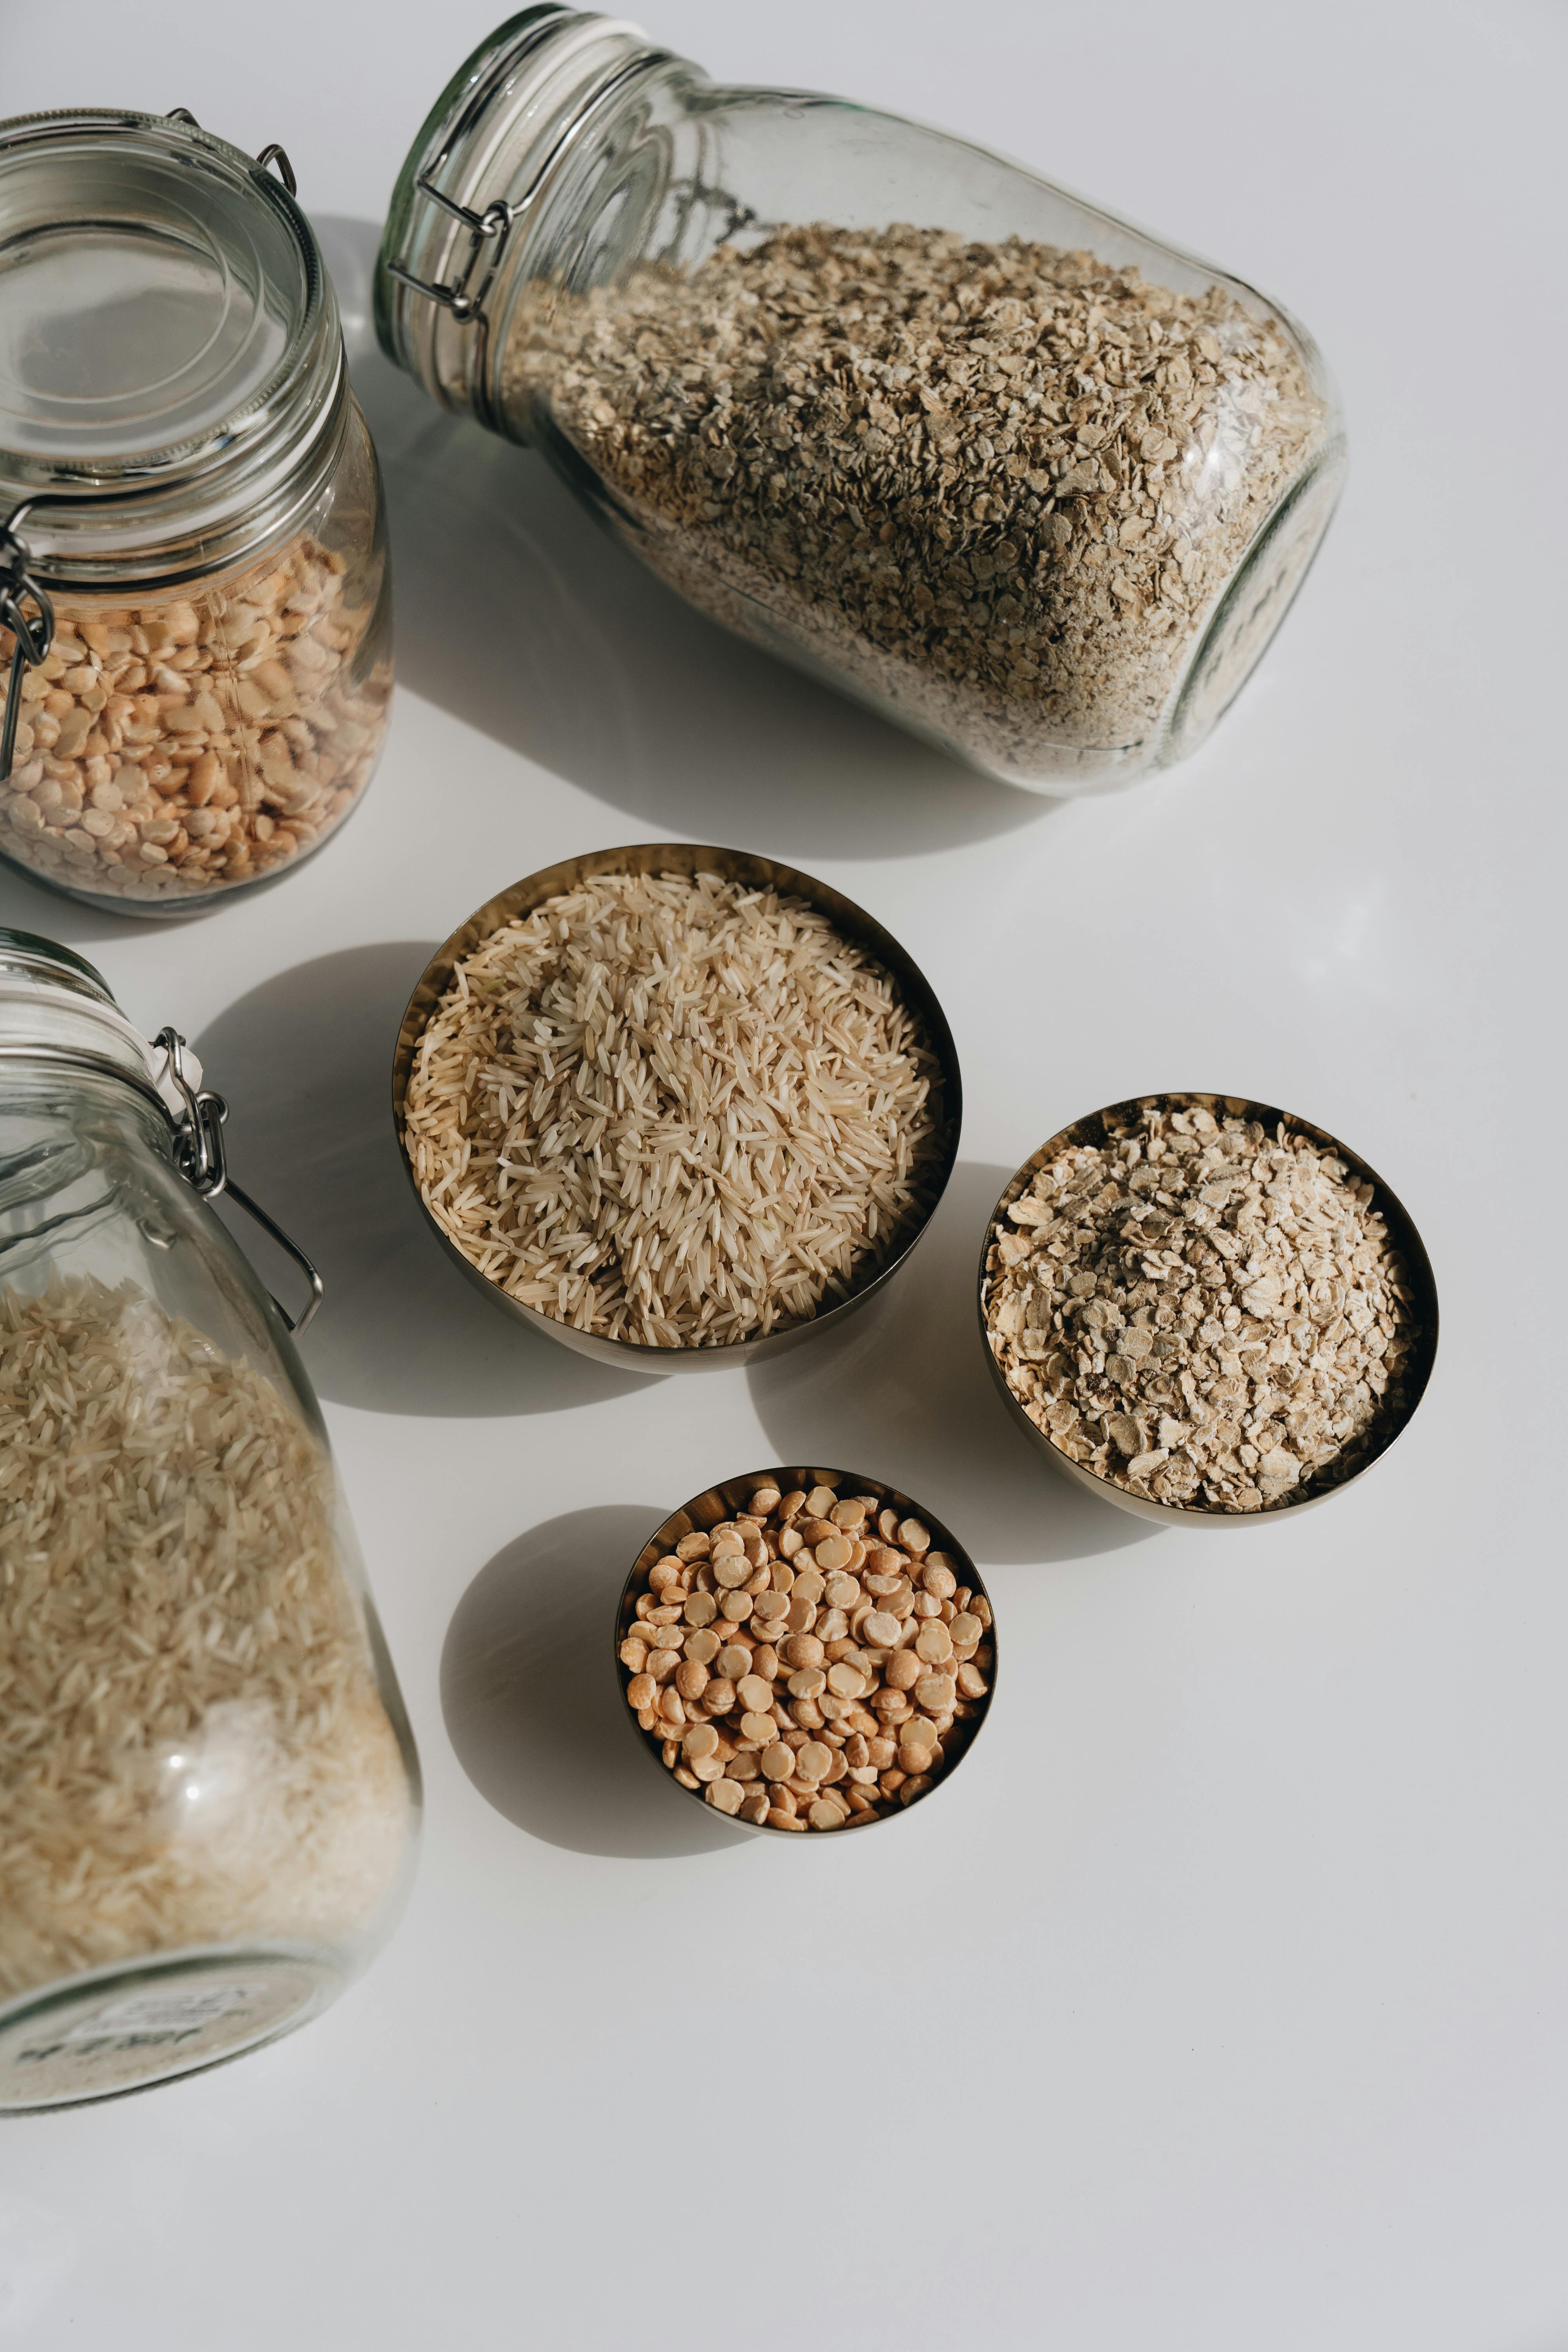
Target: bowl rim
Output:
{"points": [[1402, 1232], [753, 871], [722, 1496]]}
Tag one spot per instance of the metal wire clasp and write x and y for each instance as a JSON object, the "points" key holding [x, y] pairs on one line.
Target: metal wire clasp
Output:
{"points": [[33, 638], [488, 233], [200, 1155], [271, 153]]}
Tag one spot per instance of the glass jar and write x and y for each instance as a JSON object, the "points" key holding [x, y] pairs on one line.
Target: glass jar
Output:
{"points": [[191, 527], [208, 1790], [1010, 470]]}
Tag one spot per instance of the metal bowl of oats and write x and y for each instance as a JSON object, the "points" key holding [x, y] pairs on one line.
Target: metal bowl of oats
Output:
{"points": [[1205, 1310], [676, 1106], [804, 1650]]}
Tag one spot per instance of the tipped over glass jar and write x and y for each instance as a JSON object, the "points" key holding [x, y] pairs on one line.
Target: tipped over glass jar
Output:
{"points": [[208, 1790], [1013, 472], [194, 598]]}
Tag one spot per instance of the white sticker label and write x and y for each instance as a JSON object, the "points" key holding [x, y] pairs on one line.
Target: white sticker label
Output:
{"points": [[144, 2021]]}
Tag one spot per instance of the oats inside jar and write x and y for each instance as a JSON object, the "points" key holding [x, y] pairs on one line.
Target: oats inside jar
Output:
{"points": [[1000, 487]]}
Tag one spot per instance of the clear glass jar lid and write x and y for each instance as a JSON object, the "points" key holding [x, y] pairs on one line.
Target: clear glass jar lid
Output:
{"points": [[169, 341], [146, 295]]}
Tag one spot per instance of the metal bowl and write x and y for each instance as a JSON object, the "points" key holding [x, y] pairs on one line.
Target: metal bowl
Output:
{"points": [[717, 1503], [1401, 1234], [753, 873]]}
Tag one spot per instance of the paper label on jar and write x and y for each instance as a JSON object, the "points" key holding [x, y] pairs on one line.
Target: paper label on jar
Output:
{"points": [[111, 2041]]}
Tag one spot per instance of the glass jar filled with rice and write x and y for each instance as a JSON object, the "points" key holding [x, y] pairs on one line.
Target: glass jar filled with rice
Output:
{"points": [[208, 1790]]}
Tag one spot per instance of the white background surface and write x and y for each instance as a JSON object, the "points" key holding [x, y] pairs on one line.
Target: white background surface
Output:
{"points": [[1223, 2004]]}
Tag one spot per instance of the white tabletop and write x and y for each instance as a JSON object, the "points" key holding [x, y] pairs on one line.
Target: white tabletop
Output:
{"points": [[1222, 2003]]}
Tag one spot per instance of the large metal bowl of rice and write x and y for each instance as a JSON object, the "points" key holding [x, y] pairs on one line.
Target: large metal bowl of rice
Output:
{"points": [[674, 1105]]}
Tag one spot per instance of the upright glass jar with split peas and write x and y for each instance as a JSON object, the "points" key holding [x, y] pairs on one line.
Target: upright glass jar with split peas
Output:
{"points": [[194, 582], [209, 1791], [1018, 475]]}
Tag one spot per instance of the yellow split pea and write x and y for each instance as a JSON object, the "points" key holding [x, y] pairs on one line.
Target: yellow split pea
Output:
{"points": [[810, 1663]]}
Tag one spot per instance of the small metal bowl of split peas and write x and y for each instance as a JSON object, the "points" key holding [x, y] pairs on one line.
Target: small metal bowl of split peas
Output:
{"points": [[1207, 1310], [804, 1650], [674, 1105]]}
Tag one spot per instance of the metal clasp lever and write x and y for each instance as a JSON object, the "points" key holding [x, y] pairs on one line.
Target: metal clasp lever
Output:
{"points": [[32, 638], [203, 1163], [270, 155], [488, 233]]}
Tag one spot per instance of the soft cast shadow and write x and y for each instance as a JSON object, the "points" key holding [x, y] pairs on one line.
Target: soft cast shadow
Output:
{"points": [[518, 615], [29, 906], [903, 1392], [305, 1063], [530, 1701]]}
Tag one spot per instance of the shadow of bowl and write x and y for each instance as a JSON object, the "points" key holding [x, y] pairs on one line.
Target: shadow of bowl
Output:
{"points": [[518, 615], [906, 1390], [529, 1696], [310, 1136]]}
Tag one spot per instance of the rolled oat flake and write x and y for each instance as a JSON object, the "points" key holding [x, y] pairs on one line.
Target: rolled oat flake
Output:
{"points": [[1021, 477], [1207, 1313]]}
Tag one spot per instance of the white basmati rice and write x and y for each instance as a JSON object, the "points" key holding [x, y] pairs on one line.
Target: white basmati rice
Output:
{"points": [[673, 1110], [192, 1747]]}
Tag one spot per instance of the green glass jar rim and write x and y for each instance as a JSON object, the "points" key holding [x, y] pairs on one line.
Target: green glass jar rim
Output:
{"points": [[48, 955], [471, 178]]}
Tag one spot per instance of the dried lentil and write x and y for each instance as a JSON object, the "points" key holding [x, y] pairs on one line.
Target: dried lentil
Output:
{"points": [[166, 751], [813, 1722]]}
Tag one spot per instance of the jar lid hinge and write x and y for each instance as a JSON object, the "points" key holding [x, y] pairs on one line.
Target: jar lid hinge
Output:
{"points": [[488, 229], [273, 153], [203, 1163], [31, 640], [270, 155]]}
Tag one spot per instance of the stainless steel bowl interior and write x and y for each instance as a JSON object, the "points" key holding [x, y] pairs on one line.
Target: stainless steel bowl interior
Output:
{"points": [[717, 1503], [1402, 1233], [753, 873]]}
